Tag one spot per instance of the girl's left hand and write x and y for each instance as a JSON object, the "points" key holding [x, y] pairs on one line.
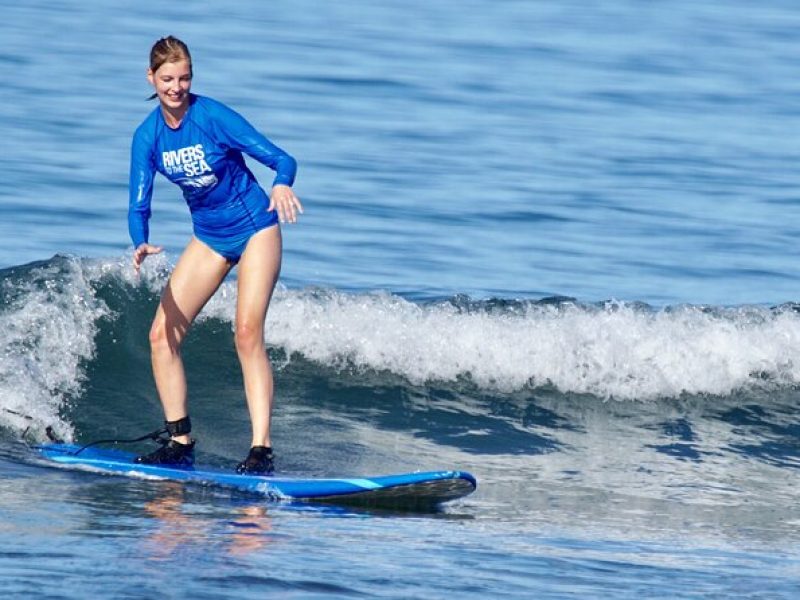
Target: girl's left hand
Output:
{"points": [[285, 202]]}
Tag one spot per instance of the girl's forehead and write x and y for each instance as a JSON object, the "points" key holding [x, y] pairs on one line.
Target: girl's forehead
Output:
{"points": [[175, 68]]}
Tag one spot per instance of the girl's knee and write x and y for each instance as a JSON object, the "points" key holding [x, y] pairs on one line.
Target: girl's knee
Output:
{"points": [[248, 337], [164, 339]]}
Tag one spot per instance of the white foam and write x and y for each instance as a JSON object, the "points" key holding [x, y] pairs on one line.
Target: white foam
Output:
{"points": [[617, 350], [614, 351], [47, 329]]}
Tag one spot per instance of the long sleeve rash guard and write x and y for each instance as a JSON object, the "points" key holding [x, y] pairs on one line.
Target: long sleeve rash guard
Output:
{"points": [[203, 156]]}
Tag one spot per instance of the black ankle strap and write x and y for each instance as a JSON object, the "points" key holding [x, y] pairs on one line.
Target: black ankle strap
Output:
{"points": [[260, 451], [180, 427]]}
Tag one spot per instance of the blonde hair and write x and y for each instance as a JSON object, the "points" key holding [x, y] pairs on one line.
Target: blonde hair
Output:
{"points": [[169, 49]]}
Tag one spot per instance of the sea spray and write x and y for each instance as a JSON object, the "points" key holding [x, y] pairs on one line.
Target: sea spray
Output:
{"points": [[47, 327], [612, 350]]}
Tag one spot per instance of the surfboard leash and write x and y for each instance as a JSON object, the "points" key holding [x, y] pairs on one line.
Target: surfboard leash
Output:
{"points": [[182, 426], [153, 435], [51, 435]]}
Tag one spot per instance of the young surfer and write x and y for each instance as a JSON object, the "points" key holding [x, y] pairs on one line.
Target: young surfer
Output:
{"points": [[197, 143]]}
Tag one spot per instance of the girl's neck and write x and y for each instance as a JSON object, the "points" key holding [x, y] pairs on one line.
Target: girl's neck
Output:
{"points": [[173, 117]]}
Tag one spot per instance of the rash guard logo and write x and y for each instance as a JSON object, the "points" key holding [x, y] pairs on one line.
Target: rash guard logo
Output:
{"points": [[189, 161], [195, 176]]}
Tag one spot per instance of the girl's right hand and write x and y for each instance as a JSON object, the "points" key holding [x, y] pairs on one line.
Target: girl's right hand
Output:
{"points": [[142, 252]]}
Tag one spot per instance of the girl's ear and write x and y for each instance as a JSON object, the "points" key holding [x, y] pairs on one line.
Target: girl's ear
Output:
{"points": [[150, 76]]}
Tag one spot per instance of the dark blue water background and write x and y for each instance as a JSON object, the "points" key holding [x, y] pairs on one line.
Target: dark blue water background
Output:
{"points": [[462, 164]]}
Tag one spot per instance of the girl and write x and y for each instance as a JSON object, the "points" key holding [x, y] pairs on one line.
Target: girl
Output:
{"points": [[197, 143]]}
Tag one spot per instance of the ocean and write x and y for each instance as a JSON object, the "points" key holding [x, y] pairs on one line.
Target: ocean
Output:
{"points": [[549, 243]]}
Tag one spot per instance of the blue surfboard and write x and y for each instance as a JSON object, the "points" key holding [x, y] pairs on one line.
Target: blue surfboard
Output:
{"points": [[411, 490]]}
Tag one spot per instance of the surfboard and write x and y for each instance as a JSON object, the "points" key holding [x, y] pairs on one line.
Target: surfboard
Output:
{"points": [[406, 490]]}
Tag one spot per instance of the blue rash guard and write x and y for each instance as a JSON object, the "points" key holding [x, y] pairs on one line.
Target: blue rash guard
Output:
{"points": [[203, 156]]}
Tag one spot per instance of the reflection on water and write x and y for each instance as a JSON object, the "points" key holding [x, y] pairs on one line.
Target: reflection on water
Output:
{"points": [[181, 528]]}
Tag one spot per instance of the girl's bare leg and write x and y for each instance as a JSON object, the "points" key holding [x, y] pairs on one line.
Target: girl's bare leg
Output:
{"points": [[259, 268], [196, 277]]}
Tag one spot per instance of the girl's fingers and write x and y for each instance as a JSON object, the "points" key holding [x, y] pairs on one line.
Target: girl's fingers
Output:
{"points": [[142, 252], [284, 201]]}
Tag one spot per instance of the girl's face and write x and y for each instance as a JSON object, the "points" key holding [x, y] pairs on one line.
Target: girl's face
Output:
{"points": [[172, 82]]}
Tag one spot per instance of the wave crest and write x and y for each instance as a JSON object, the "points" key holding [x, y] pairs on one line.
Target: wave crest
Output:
{"points": [[614, 350]]}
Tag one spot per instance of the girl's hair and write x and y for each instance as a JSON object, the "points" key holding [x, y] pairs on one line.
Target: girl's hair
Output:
{"points": [[168, 49]]}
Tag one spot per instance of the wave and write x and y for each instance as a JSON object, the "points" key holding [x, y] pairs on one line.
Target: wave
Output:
{"points": [[47, 326], [52, 312], [611, 350]]}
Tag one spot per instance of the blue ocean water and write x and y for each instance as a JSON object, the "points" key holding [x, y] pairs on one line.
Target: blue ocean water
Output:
{"points": [[549, 243]]}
